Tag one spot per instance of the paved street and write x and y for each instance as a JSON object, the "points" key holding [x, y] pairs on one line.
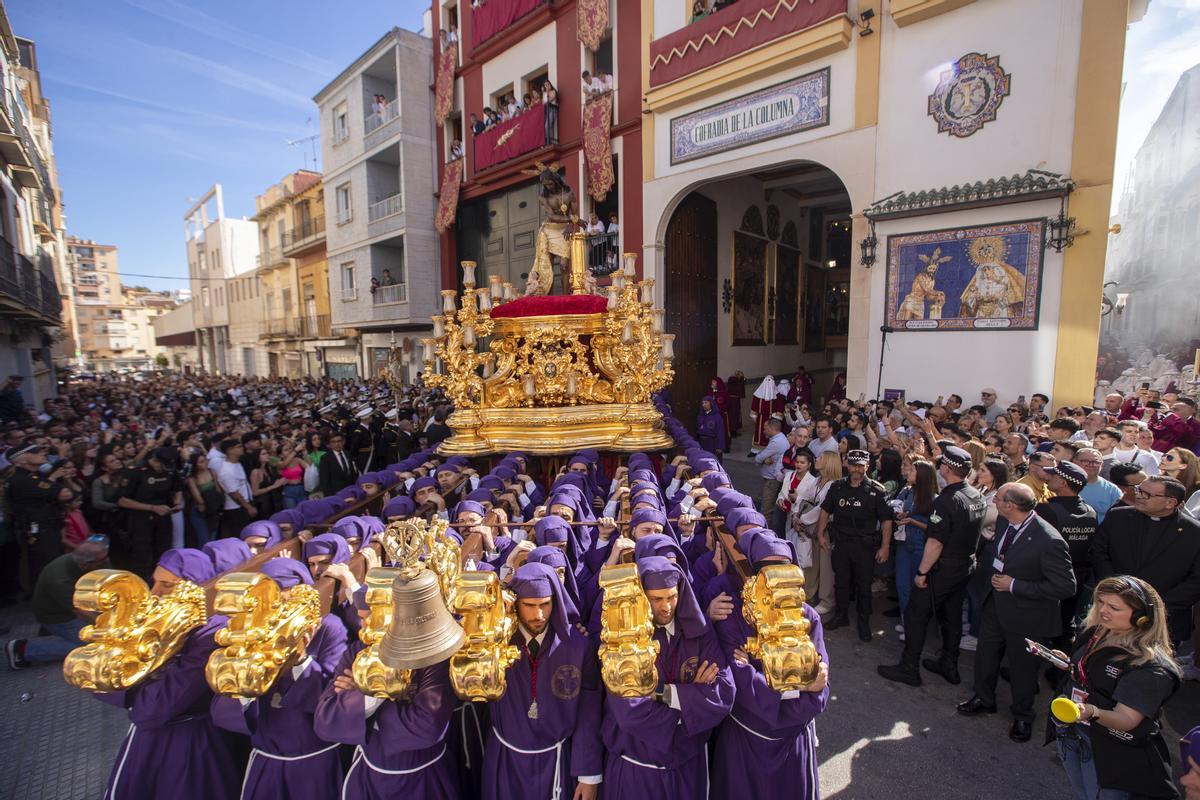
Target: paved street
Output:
{"points": [[876, 740]]}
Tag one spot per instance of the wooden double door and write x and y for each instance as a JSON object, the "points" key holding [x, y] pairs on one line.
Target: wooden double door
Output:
{"points": [[690, 276]]}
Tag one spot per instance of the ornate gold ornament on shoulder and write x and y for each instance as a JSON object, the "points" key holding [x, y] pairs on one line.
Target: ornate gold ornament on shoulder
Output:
{"points": [[135, 632], [477, 670], [268, 632], [627, 649], [373, 677], [773, 602]]}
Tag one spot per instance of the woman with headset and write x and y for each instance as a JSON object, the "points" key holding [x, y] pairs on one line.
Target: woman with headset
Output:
{"points": [[1122, 674]]}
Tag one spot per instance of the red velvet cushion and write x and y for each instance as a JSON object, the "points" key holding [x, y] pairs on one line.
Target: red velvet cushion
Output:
{"points": [[548, 305]]}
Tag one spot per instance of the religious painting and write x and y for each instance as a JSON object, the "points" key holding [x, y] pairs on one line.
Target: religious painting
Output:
{"points": [[787, 295], [984, 277], [969, 94], [749, 290], [814, 309]]}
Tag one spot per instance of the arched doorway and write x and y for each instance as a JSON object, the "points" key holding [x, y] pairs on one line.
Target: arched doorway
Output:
{"points": [[756, 273]]}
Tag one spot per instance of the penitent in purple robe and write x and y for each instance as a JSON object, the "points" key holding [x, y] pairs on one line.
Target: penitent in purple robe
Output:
{"points": [[537, 758], [655, 750], [400, 747], [173, 749], [767, 746], [289, 761]]}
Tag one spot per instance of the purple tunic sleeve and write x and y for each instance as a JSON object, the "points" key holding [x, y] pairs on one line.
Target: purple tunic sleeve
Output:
{"points": [[704, 705], [587, 749], [178, 686], [754, 693], [230, 714], [423, 719], [326, 651], [342, 716]]}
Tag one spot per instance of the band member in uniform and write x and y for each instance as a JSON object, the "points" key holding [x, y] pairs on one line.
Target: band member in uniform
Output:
{"points": [[400, 748], [657, 745], [172, 748], [150, 495], [289, 761], [951, 540], [854, 516], [767, 745], [361, 443]]}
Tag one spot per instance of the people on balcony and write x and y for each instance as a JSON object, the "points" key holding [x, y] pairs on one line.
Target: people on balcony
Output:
{"points": [[593, 86], [456, 149], [550, 99]]}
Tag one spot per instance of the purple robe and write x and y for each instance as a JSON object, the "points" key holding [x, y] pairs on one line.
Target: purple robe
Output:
{"points": [[710, 428], [289, 760], [173, 749], [400, 749], [767, 746], [655, 750], [563, 742], [537, 756]]}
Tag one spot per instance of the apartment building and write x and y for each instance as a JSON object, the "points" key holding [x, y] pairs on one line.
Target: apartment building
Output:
{"points": [[175, 336], [32, 257], [222, 251], [293, 273], [377, 150]]}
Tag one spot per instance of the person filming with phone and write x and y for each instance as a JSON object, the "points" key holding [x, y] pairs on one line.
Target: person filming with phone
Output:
{"points": [[1122, 673]]}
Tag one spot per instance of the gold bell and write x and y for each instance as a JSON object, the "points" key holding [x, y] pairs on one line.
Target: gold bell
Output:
{"points": [[422, 631]]}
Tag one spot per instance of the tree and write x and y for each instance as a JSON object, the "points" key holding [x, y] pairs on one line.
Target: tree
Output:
{"points": [[161, 361]]}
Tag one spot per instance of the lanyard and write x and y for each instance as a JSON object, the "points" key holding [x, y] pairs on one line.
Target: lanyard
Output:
{"points": [[533, 663], [1081, 668], [1010, 537]]}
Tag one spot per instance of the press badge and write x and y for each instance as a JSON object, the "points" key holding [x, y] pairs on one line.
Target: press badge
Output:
{"points": [[1080, 697], [998, 564]]}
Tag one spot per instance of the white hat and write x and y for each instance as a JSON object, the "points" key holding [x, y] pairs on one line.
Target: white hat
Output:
{"points": [[766, 389], [365, 412]]}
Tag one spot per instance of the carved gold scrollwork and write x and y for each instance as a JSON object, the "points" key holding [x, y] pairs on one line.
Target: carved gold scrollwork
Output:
{"points": [[477, 669], [372, 676], [773, 602], [268, 631], [627, 649], [135, 632]]}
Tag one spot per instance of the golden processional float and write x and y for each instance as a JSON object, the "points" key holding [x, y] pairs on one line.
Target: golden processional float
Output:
{"points": [[546, 375]]}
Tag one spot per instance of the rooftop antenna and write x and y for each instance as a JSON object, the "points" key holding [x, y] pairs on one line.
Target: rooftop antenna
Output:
{"points": [[310, 141]]}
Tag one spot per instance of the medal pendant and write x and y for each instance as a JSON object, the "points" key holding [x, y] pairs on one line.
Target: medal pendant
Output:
{"points": [[533, 710]]}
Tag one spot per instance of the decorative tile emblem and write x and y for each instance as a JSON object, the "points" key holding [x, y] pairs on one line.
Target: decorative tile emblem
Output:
{"points": [[968, 94]]}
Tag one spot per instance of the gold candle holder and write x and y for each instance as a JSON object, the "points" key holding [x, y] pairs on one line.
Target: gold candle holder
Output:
{"points": [[448, 305], [439, 326], [647, 287], [468, 268], [496, 284]]}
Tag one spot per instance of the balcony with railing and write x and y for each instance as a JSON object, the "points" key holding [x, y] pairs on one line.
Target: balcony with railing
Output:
{"points": [[495, 16], [31, 290], [604, 254], [518, 136], [385, 295], [281, 328], [304, 238], [387, 207], [377, 126], [270, 258]]}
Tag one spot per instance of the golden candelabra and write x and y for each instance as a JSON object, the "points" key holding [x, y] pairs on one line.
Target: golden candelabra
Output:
{"points": [[135, 632], [551, 383], [268, 631], [627, 650], [773, 602]]}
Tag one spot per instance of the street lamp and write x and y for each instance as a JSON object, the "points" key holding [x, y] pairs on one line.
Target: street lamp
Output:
{"points": [[1062, 230], [867, 248]]}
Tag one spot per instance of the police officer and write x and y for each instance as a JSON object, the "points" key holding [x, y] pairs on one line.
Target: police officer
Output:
{"points": [[1076, 521], [360, 442], [150, 495], [853, 515], [38, 501], [946, 566]]}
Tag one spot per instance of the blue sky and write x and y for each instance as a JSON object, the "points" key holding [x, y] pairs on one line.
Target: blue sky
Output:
{"points": [[153, 101]]}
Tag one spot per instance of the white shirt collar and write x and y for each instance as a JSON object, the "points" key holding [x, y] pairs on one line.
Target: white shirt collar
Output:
{"points": [[526, 635], [669, 628]]}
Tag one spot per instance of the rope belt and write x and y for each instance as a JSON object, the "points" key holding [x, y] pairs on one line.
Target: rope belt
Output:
{"points": [[256, 752], [556, 747], [750, 730], [360, 756]]}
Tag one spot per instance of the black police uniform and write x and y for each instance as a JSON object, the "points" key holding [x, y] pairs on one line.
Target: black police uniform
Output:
{"points": [[1076, 521], [955, 521], [149, 535], [38, 517], [854, 517], [358, 445]]}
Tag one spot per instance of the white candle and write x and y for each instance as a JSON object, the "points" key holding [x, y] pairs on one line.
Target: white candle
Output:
{"points": [[630, 260], [468, 268], [530, 388], [627, 333], [612, 296], [656, 320], [448, 301], [497, 284], [469, 335], [572, 385], [647, 291], [485, 301], [668, 345], [439, 325]]}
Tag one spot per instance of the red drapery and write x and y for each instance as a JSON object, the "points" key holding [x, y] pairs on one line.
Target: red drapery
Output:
{"points": [[544, 305], [495, 15], [597, 122], [444, 94], [521, 134], [591, 20], [448, 196]]}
